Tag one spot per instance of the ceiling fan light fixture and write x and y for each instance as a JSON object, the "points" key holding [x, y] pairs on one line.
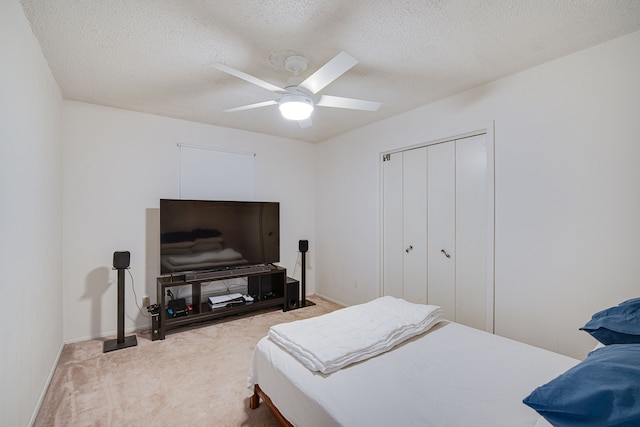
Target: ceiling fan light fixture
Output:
{"points": [[296, 107]]}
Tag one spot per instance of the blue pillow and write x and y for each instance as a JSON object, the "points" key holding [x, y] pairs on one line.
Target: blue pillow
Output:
{"points": [[603, 390], [616, 325]]}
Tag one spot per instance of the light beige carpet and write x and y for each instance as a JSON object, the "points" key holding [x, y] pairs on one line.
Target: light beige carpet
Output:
{"points": [[196, 376]]}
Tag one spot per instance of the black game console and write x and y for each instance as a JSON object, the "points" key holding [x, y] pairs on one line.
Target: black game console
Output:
{"points": [[177, 308]]}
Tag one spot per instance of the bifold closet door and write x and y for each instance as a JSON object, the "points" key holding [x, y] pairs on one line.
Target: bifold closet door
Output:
{"points": [[472, 233], [392, 234], [414, 175], [405, 225], [437, 207], [457, 229], [441, 229]]}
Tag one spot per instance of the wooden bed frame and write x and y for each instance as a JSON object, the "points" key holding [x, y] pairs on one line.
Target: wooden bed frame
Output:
{"points": [[254, 402]]}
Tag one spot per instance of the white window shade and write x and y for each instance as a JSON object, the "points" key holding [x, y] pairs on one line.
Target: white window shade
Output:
{"points": [[212, 174]]}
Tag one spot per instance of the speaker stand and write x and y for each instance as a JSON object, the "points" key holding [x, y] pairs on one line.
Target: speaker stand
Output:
{"points": [[303, 283], [121, 341]]}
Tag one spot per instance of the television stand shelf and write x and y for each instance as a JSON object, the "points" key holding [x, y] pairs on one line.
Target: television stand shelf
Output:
{"points": [[265, 284]]}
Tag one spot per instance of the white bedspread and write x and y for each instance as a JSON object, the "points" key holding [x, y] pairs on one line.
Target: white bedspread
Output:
{"points": [[330, 342], [449, 376]]}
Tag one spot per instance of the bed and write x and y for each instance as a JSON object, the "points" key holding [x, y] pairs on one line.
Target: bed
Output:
{"points": [[445, 375]]}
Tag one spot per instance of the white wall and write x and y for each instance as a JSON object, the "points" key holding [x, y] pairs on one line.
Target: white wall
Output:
{"points": [[567, 189], [30, 219], [117, 166]]}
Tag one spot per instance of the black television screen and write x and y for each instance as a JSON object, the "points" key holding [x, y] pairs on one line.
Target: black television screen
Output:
{"points": [[200, 235]]}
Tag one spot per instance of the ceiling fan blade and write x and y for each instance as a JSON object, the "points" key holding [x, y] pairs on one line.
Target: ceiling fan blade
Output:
{"points": [[250, 106], [305, 123], [350, 103], [330, 71], [249, 78]]}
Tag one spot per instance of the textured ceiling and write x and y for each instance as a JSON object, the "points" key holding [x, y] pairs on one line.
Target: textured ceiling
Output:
{"points": [[156, 56]]}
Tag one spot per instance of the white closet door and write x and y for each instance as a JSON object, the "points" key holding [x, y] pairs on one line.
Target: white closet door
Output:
{"points": [[441, 227], [415, 225], [438, 228], [392, 244], [471, 231]]}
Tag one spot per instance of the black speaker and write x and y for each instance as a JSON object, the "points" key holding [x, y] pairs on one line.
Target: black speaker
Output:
{"points": [[293, 294], [121, 259], [303, 245]]}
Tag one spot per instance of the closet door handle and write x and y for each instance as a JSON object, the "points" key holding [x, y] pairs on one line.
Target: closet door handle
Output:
{"points": [[445, 253], [409, 249]]}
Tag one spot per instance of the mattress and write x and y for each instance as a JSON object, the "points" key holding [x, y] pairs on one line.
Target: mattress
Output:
{"points": [[452, 375]]}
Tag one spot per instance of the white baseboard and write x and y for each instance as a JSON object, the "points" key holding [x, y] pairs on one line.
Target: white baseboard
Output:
{"points": [[329, 299], [43, 393], [112, 334]]}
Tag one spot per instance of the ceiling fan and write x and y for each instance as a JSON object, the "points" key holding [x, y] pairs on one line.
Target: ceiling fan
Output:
{"points": [[299, 97]]}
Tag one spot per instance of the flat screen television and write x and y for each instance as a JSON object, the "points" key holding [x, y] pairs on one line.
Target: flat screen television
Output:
{"points": [[198, 235]]}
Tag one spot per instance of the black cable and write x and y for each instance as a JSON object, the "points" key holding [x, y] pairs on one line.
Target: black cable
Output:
{"points": [[295, 266], [133, 288]]}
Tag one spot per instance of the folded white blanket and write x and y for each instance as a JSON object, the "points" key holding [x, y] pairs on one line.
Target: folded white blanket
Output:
{"points": [[332, 341]]}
